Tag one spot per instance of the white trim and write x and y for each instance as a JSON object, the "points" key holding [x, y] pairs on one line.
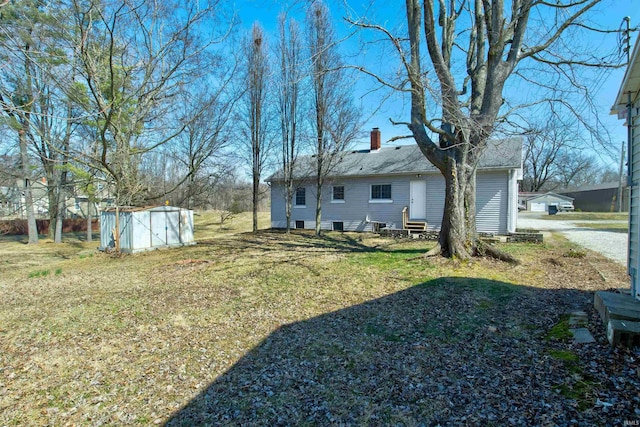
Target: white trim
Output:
{"points": [[295, 198], [372, 200], [333, 192]]}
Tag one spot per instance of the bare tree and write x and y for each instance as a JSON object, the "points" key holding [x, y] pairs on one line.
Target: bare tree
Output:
{"points": [[17, 92], [200, 149], [474, 48], [288, 83], [135, 59], [256, 119], [545, 148], [336, 122], [575, 168]]}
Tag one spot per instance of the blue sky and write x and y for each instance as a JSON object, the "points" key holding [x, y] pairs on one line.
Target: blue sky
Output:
{"points": [[609, 15]]}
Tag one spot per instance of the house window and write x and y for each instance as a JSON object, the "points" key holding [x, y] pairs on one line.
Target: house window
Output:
{"points": [[380, 192], [301, 197], [337, 194], [338, 226], [299, 224]]}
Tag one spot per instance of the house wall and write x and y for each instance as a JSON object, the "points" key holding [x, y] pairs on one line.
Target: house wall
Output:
{"points": [[492, 202], [514, 176], [495, 194], [634, 208]]}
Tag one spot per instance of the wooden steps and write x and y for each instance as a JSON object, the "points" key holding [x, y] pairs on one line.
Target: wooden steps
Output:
{"points": [[412, 225]]}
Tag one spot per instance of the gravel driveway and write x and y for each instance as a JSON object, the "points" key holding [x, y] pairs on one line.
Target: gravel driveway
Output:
{"points": [[610, 244]]}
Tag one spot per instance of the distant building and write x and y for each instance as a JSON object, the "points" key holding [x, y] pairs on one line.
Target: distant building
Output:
{"points": [[598, 198], [540, 202]]}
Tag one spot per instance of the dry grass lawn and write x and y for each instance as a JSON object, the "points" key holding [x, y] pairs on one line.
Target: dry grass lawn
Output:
{"points": [[88, 338]]}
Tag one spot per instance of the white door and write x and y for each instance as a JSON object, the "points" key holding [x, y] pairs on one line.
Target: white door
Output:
{"points": [[418, 200], [173, 228], [158, 229]]}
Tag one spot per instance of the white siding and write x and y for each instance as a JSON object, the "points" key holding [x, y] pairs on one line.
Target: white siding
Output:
{"points": [[435, 202], [278, 216], [634, 208], [357, 212], [513, 201], [492, 196]]}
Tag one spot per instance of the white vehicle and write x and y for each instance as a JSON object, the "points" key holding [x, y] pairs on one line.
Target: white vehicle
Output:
{"points": [[565, 207]]}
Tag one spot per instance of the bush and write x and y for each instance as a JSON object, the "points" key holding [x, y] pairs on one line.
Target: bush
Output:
{"points": [[17, 227]]}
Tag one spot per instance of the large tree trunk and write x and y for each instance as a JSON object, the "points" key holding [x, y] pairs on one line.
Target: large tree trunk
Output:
{"points": [[53, 205], [89, 220], [60, 207], [458, 230], [28, 197]]}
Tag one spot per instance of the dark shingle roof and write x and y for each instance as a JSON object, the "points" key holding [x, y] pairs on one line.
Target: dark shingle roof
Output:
{"points": [[406, 159]]}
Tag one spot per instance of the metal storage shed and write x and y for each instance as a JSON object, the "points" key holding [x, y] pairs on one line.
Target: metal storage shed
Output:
{"points": [[143, 229]]}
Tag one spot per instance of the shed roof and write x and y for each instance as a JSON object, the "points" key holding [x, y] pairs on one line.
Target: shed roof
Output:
{"points": [[160, 208], [406, 159], [559, 196]]}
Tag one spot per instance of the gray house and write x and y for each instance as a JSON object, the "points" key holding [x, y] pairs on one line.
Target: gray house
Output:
{"points": [[396, 187]]}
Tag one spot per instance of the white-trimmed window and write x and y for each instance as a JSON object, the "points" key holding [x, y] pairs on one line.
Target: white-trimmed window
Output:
{"points": [[300, 199], [380, 193], [337, 194]]}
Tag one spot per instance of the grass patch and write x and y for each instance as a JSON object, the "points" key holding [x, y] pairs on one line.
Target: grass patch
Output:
{"points": [[560, 331], [566, 356], [580, 386], [575, 253], [39, 273], [588, 216], [616, 227]]}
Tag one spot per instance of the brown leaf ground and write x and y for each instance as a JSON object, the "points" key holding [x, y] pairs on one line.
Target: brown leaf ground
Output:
{"points": [[271, 329]]}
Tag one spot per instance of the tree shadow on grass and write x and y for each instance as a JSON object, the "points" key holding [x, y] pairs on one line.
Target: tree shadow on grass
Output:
{"points": [[454, 351]]}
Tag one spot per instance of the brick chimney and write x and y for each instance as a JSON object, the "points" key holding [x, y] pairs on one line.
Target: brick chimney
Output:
{"points": [[375, 139]]}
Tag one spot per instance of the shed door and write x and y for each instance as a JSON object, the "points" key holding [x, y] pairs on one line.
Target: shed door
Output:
{"points": [[158, 229], [173, 228], [538, 207], [418, 200]]}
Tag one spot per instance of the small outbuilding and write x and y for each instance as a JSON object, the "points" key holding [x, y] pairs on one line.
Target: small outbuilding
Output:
{"points": [[541, 202], [143, 229]]}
